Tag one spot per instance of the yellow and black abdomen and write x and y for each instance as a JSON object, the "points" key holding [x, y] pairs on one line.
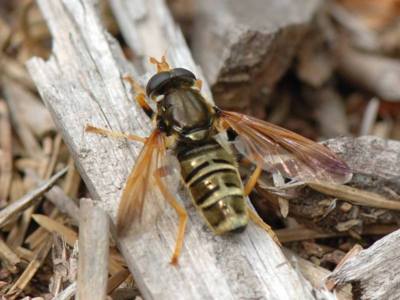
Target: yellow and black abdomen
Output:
{"points": [[212, 177]]}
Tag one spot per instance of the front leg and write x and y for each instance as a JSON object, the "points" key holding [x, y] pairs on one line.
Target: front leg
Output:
{"points": [[140, 97], [114, 134]]}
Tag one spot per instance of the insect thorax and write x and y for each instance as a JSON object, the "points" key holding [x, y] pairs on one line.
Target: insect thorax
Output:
{"points": [[186, 113]]}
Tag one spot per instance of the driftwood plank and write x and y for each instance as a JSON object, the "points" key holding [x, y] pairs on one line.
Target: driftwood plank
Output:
{"points": [[374, 271], [244, 47], [82, 83]]}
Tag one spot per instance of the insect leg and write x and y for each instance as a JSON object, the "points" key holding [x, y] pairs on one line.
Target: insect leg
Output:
{"points": [[258, 221], [140, 95], [251, 183], [114, 134], [198, 84], [182, 214]]}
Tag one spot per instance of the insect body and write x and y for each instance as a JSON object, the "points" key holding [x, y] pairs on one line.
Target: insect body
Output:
{"points": [[208, 170], [187, 125]]}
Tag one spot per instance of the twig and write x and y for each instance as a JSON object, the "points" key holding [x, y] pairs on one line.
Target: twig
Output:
{"points": [[93, 244], [63, 203], [67, 293], [116, 280], [8, 257], [369, 118], [32, 268], [19, 205], [300, 234], [5, 153], [355, 196]]}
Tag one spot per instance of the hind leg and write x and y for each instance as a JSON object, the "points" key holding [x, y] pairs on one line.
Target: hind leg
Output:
{"points": [[251, 183], [260, 222]]}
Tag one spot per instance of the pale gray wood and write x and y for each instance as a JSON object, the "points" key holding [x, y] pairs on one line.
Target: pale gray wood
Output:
{"points": [[82, 83], [149, 30], [375, 165], [369, 156], [67, 293], [244, 47], [375, 271], [316, 275], [378, 74], [93, 251]]}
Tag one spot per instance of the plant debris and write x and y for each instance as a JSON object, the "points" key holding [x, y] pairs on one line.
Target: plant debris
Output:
{"points": [[343, 81]]}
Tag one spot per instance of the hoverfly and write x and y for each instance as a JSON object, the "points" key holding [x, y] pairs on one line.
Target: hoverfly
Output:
{"points": [[187, 126]]}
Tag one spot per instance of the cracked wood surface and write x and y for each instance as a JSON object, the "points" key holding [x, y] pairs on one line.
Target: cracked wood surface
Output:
{"points": [[82, 83]]}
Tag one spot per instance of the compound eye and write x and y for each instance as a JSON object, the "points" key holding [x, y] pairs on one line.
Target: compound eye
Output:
{"points": [[183, 73], [156, 83]]}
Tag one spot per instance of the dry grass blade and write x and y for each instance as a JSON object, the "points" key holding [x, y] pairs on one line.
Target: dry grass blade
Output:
{"points": [[54, 156], [116, 280], [355, 196], [31, 269], [5, 153], [300, 234], [8, 257], [19, 205], [25, 254], [72, 180], [12, 91], [51, 225]]}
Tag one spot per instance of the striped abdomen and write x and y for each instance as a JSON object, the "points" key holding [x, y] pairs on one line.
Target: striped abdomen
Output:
{"points": [[212, 177]]}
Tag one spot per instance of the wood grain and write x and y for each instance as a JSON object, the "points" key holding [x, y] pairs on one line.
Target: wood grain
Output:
{"points": [[93, 251], [374, 271], [244, 47], [82, 83]]}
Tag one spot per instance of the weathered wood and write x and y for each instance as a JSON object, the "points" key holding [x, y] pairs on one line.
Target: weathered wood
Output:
{"points": [[374, 271], [376, 173], [82, 83], [244, 47], [378, 74], [316, 275], [93, 251]]}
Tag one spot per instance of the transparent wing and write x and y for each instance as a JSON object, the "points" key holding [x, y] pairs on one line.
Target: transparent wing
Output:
{"points": [[135, 208], [280, 150]]}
